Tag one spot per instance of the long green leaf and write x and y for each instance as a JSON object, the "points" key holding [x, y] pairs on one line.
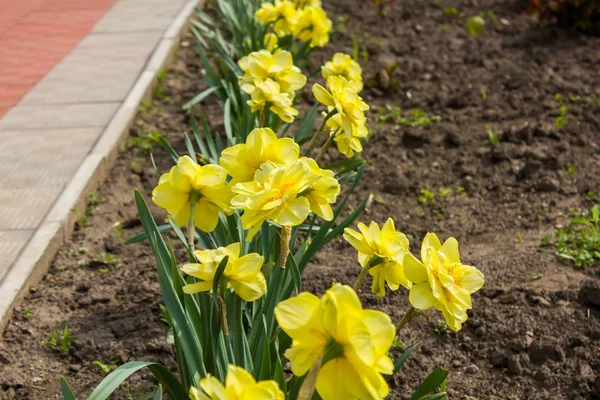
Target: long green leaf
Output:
{"points": [[119, 375], [398, 362], [432, 382], [199, 97], [66, 390]]}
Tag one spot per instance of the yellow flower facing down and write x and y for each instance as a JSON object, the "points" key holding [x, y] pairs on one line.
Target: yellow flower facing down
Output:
{"points": [[271, 42], [323, 192], [261, 65], [242, 273], [267, 95], [242, 160], [188, 181], [349, 123], [282, 14], [353, 343], [312, 24], [239, 385], [347, 144], [440, 280], [273, 194], [386, 246], [343, 65]]}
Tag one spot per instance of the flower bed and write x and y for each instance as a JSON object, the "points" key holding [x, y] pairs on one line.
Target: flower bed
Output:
{"points": [[516, 297]]}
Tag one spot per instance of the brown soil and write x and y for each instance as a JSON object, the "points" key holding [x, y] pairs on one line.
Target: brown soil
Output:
{"points": [[527, 337]]}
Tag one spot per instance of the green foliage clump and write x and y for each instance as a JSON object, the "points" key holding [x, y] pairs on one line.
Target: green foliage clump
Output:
{"points": [[579, 241]]}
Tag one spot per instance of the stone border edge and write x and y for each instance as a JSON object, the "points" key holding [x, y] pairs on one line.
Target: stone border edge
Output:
{"points": [[56, 227]]}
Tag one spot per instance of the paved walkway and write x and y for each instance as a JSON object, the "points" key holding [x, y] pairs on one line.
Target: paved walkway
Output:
{"points": [[72, 75]]}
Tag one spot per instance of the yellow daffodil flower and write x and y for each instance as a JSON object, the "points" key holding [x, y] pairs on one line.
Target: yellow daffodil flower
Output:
{"points": [[239, 385], [352, 342], [242, 160], [440, 280], [271, 42], [267, 95], [312, 24], [261, 65], [346, 143], [343, 65], [282, 14], [242, 273], [323, 192], [349, 123], [273, 194], [189, 181], [384, 246]]}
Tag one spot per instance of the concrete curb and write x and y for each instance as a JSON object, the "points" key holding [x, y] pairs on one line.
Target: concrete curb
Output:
{"points": [[56, 228]]}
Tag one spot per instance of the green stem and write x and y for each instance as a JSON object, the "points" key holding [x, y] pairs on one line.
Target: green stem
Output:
{"points": [[376, 260], [407, 317], [284, 245], [313, 141], [310, 381], [194, 196], [361, 278], [324, 148], [261, 118]]}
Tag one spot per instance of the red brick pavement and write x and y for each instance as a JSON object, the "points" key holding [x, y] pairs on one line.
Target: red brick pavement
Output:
{"points": [[35, 35]]}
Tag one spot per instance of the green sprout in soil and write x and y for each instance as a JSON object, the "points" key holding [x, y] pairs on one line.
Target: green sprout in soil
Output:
{"points": [[579, 241], [493, 137], [82, 218], [398, 344], [535, 277], [460, 190], [475, 26], [26, 313], [159, 90], [118, 230], [450, 12], [145, 141], [444, 192], [426, 197], [561, 120], [442, 327], [484, 94], [105, 368], [416, 118], [107, 259], [60, 339], [571, 170]]}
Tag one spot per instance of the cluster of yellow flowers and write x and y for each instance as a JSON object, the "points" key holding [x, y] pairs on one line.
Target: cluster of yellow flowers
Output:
{"points": [[439, 280], [269, 182], [271, 80], [304, 19]]}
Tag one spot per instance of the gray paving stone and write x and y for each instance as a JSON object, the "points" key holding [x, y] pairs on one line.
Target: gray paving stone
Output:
{"points": [[26, 207], [102, 67], [11, 244], [139, 15], [86, 115]]}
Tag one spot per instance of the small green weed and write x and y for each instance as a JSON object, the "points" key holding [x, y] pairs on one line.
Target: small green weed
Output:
{"points": [[475, 26], [398, 344], [26, 313], [535, 277], [450, 12], [444, 192], [107, 259], [442, 327], [145, 141], [60, 339], [105, 368], [561, 120], [417, 118], [159, 89], [571, 170], [82, 218], [118, 230], [579, 241], [426, 197], [493, 137]]}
